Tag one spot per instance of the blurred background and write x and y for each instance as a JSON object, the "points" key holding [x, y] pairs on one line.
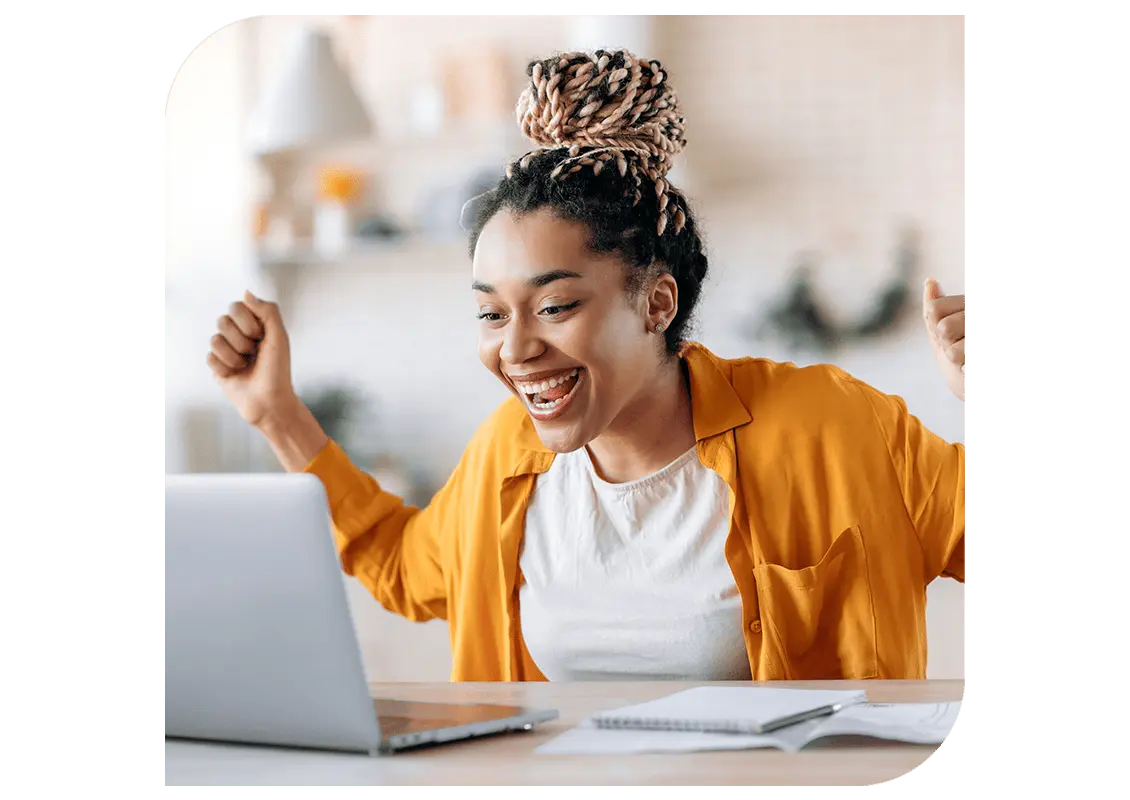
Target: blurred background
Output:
{"points": [[323, 162]]}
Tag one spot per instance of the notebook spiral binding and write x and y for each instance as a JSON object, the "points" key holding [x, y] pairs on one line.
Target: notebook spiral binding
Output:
{"points": [[695, 726]]}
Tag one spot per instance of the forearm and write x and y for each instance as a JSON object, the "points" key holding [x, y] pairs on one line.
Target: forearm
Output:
{"points": [[293, 434], [392, 548]]}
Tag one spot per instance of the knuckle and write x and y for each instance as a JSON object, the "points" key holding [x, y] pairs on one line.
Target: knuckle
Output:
{"points": [[218, 340]]}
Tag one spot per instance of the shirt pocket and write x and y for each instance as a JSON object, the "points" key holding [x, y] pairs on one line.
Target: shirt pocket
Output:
{"points": [[819, 622]]}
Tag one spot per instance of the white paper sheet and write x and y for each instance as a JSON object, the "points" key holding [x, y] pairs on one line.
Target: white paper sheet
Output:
{"points": [[921, 723]]}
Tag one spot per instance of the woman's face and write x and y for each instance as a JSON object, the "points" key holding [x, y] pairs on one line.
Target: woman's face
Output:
{"points": [[558, 328]]}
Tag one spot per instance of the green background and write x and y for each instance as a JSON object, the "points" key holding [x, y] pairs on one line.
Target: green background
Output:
{"points": [[80, 264]]}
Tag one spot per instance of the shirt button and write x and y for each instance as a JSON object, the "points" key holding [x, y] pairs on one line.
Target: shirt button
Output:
{"points": [[755, 626]]}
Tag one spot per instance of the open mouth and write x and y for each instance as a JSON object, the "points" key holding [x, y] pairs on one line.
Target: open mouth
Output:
{"points": [[550, 395]]}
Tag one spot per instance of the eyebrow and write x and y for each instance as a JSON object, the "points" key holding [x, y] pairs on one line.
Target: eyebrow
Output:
{"points": [[537, 282]]}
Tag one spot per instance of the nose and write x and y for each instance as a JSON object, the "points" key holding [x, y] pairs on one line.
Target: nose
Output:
{"points": [[520, 343]]}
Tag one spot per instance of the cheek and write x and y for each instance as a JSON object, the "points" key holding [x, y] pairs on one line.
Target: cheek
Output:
{"points": [[618, 342], [489, 346], [615, 356]]}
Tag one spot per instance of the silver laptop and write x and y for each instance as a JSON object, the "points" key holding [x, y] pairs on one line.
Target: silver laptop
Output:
{"points": [[259, 640]]}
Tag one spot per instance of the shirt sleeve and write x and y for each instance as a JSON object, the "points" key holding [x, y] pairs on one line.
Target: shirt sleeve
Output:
{"points": [[931, 472], [394, 549]]}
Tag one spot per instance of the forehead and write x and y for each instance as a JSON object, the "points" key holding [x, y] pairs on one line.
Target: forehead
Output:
{"points": [[520, 247]]}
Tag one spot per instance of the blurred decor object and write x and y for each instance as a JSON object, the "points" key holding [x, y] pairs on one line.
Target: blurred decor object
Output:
{"points": [[337, 409], [426, 108], [338, 191], [633, 32], [340, 185], [799, 319], [380, 228], [262, 220], [346, 416], [441, 215], [310, 104]]}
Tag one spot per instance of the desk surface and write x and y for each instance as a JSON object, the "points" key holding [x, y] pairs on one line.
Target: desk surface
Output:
{"points": [[510, 758]]}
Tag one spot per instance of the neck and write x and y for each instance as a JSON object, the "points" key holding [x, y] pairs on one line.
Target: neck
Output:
{"points": [[651, 432]]}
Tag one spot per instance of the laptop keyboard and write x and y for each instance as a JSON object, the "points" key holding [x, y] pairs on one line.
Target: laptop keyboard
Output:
{"points": [[395, 726], [400, 717]]}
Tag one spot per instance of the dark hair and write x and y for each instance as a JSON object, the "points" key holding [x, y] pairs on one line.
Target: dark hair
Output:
{"points": [[609, 125]]}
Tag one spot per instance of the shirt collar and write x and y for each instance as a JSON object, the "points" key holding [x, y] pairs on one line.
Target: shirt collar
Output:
{"points": [[715, 406]]}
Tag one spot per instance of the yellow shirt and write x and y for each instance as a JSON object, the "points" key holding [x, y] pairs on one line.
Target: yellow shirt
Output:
{"points": [[843, 508]]}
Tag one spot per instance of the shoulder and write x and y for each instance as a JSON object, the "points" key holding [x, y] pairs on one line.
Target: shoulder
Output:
{"points": [[816, 411], [764, 383], [820, 396]]}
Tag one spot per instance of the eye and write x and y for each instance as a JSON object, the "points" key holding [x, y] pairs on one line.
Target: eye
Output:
{"points": [[488, 316], [553, 311]]}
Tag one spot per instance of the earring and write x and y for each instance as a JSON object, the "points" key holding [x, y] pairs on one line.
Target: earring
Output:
{"points": [[660, 327]]}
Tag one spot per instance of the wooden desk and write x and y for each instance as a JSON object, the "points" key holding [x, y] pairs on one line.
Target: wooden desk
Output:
{"points": [[510, 758]]}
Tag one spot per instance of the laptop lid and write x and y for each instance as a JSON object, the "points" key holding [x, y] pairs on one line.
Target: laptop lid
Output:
{"points": [[259, 640]]}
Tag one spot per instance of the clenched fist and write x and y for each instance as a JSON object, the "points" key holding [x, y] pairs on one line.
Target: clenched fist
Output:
{"points": [[945, 324], [250, 358]]}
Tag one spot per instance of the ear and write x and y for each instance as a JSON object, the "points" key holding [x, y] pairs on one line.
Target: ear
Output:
{"points": [[662, 301]]}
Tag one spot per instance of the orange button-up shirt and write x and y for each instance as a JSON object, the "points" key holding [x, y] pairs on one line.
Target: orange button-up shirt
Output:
{"points": [[843, 507]]}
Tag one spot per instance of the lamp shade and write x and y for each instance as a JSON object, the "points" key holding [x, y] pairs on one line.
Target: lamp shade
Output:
{"points": [[311, 102]]}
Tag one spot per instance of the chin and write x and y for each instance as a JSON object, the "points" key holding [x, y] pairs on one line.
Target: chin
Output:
{"points": [[567, 425], [560, 441]]}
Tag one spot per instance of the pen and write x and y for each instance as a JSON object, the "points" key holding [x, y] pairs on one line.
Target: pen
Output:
{"points": [[793, 719]]}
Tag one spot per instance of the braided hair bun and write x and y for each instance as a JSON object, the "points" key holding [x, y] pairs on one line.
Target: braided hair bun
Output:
{"points": [[608, 110], [607, 128]]}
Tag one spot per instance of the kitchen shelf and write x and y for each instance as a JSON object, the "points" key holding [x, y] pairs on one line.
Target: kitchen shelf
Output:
{"points": [[408, 250]]}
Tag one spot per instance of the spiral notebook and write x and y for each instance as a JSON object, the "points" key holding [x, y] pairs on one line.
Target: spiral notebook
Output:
{"points": [[710, 718], [729, 709]]}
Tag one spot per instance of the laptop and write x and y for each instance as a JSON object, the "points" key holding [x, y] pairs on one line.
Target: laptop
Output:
{"points": [[259, 640]]}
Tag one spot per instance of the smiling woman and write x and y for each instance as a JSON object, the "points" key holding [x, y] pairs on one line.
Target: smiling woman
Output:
{"points": [[640, 508], [552, 309]]}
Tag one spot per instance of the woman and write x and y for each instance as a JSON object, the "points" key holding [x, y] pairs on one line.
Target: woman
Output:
{"points": [[640, 507]]}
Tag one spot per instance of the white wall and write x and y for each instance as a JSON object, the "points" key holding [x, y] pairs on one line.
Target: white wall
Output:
{"points": [[804, 134], [208, 181]]}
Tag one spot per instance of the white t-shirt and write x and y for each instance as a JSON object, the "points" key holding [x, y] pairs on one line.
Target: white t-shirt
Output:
{"points": [[630, 580]]}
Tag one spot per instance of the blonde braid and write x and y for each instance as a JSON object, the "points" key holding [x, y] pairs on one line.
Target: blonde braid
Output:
{"points": [[606, 108]]}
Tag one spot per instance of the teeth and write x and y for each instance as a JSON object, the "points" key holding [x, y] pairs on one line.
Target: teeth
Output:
{"points": [[531, 389], [546, 385]]}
